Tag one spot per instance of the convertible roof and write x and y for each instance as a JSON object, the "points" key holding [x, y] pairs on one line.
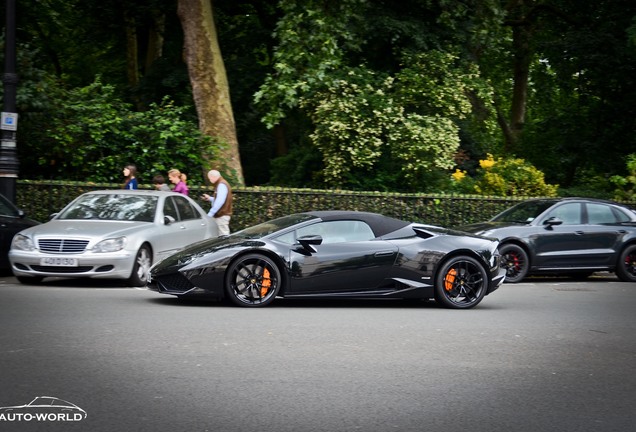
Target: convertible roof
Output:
{"points": [[380, 224]]}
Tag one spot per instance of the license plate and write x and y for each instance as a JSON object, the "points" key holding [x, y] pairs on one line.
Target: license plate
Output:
{"points": [[59, 262]]}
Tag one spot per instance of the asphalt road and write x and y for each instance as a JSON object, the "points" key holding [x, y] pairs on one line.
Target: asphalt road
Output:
{"points": [[550, 355]]}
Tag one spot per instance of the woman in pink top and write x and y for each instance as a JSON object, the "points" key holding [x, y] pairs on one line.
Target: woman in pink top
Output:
{"points": [[179, 180]]}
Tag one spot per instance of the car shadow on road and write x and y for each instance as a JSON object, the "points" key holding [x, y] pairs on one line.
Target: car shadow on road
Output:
{"points": [[280, 303]]}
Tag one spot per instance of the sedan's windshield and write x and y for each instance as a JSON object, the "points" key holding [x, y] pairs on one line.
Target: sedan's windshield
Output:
{"points": [[116, 207], [524, 212], [272, 226]]}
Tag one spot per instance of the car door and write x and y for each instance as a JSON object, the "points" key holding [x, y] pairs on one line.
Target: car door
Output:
{"points": [[603, 233], [562, 245], [195, 226], [348, 259], [187, 226]]}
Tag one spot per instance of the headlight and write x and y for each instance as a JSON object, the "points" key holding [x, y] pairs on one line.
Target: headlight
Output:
{"points": [[110, 245], [21, 242]]}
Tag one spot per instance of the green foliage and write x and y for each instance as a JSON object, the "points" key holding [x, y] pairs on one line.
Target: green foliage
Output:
{"points": [[253, 205], [90, 134], [360, 116], [506, 177], [311, 39], [626, 186]]}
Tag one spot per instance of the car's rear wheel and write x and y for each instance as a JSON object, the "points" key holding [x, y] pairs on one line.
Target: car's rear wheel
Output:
{"points": [[143, 261], [461, 283], [515, 260], [30, 280], [253, 281], [626, 266]]}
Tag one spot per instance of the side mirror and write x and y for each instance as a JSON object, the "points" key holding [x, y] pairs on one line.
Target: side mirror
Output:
{"points": [[307, 243], [167, 220], [552, 222]]}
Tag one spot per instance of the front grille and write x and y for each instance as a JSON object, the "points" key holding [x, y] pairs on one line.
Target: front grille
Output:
{"points": [[51, 269], [173, 283], [62, 245]]}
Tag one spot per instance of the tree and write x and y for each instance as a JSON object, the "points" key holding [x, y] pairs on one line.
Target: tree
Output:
{"points": [[210, 88]]}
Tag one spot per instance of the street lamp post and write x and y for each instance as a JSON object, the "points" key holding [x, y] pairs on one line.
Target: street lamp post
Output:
{"points": [[8, 148]]}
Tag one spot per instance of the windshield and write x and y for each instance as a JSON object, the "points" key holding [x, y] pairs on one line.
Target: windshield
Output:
{"points": [[115, 207], [273, 226], [524, 212]]}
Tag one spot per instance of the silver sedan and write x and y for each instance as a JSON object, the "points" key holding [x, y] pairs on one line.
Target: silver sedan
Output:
{"points": [[115, 234]]}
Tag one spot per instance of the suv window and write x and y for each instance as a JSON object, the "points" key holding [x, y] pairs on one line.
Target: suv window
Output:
{"points": [[604, 214], [569, 213]]}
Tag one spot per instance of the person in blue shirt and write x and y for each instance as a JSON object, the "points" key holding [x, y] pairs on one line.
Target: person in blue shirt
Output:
{"points": [[130, 172]]}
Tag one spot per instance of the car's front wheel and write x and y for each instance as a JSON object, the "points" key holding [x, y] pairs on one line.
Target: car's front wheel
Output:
{"points": [[252, 280], [626, 266], [143, 261], [461, 283], [515, 260]]}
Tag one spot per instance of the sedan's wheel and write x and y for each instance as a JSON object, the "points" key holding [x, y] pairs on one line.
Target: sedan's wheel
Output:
{"points": [[461, 283], [626, 266], [515, 260], [143, 261], [29, 280], [252, 280]]}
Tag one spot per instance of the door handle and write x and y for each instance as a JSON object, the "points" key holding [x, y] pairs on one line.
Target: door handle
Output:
{"points": [[384, 253], [579, 232]]}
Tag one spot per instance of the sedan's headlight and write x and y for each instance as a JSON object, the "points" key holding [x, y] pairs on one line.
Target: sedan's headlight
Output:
{"points": [[110, 245], [22, 242]]}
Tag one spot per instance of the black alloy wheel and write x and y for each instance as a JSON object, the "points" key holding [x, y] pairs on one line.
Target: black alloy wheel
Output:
{"points": [[515, 260], [252, 281], [461, 283], [626, 266]]}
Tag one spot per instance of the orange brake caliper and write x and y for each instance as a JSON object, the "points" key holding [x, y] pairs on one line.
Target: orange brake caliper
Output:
{"points": [[450, 279], [267, 283]]}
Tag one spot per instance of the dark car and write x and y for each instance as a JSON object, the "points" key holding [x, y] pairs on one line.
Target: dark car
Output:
{"points": [[335, 254], [566, 236], [12, 221]]}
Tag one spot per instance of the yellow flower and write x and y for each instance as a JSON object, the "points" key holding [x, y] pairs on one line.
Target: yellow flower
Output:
{"points": [[458, 175], [487, 163]]}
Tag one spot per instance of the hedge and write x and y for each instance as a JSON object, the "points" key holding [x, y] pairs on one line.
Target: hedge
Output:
{"points": [[252, 205]]}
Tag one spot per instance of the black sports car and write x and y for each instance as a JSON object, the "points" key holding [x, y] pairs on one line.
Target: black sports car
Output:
{"points": [[565, 236], [335, 254]]}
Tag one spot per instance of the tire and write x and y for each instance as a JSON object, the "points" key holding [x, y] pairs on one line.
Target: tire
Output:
{"points": [[252, 281], [29, 280], [461, 283], [626, 265], [516, 262], [143, 261]]}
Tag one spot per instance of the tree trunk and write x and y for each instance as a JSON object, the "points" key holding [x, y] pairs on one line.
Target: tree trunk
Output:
{"points": [[521, 74], [210, 88], [132, 64], [155, 39]]}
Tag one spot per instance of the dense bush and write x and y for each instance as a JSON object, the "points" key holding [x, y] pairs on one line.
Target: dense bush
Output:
{"points": [[90, 134], [39, 199]]}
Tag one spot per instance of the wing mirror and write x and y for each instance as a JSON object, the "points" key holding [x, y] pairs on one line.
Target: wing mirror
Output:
{"points": [[552, 222], [307, 243], [169, 220]]}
